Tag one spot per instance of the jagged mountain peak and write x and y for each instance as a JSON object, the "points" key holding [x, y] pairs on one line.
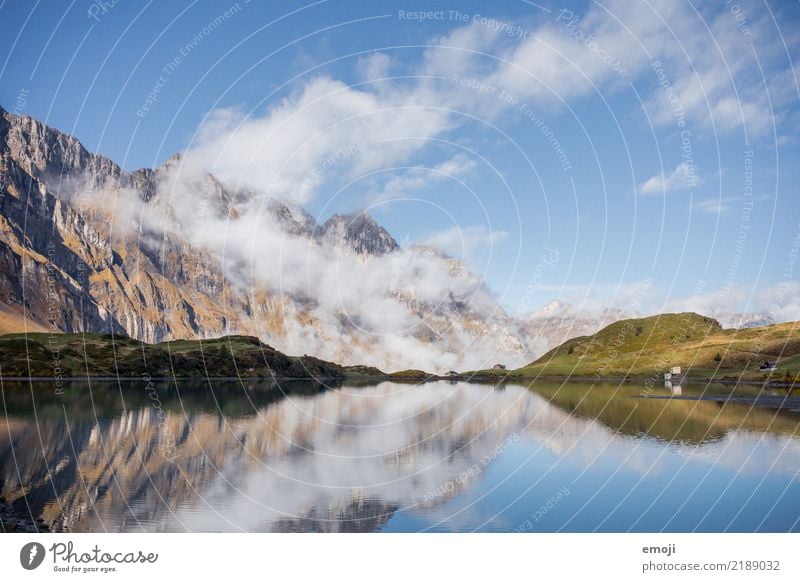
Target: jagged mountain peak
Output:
{"points": [[166, 280], [292, 218], [175, 158], [556, 308], [51, 155], [358, 232]]}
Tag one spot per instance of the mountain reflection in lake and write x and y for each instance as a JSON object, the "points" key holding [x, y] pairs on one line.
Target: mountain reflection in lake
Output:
{"points": [[394, 457]]}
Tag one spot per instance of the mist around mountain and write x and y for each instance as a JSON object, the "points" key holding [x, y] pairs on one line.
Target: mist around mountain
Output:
{"points": [[559, 321], [173, 253]]}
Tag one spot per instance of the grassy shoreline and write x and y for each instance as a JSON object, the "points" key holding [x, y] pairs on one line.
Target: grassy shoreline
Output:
{"points": [[476, 378], [633, 350]]}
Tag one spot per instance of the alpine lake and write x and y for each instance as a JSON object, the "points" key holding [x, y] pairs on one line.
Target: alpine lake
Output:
{"points": [[262, 456]]}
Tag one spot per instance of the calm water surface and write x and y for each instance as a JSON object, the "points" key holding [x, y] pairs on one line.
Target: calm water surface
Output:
{"points": [[396, 457]]}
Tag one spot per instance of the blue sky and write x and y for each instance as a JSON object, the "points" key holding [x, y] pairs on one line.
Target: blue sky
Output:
{"points": [[579, 151]]}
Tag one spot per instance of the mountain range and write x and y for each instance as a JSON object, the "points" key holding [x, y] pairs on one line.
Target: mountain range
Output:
{"points": [[86, 246], [172, 253]]}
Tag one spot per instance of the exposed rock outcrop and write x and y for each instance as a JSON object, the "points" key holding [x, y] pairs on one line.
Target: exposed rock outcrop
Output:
{"points": [[88, 246], [358, 233]]}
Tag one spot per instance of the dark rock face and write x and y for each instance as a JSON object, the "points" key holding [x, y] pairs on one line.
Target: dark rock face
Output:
{"points": [[359, 233], [42, 272], [144, 181], [15, 520]]}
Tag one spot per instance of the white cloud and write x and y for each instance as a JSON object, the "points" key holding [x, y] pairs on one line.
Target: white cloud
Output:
{"points": [[321, 127], [594, 300], [714, 66], [780, 302], [711, 206], [374, 66], [683, 177], [378, 310], [412, 181], [733, 306], [713, 70], [774, 304], [462, 242], [713, 75], [328, 131]]}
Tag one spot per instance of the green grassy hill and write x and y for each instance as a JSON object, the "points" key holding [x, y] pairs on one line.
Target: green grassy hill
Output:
{"points": [[651, 345], [80, 355]]}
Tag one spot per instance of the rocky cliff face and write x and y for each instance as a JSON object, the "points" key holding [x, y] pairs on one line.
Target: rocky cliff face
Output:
{"points": [[358, 233], [68, 268], [86, 246]]}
